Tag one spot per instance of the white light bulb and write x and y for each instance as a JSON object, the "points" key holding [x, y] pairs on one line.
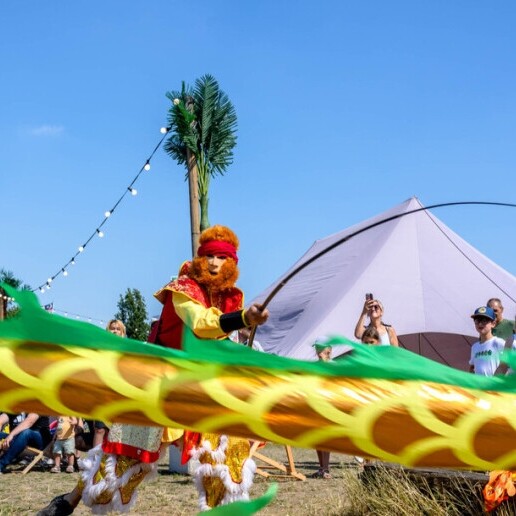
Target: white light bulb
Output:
{"points": [[100, 233], [176, 102], [73, 261], [134, 191], [49, 280], [163, 130], [42, 290], [65, 273], [81, 248], [147, 166], [107, 214]]}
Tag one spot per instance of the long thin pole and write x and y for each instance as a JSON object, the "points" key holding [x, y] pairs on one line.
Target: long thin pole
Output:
{"points": [[193, 188], [315, 257]]}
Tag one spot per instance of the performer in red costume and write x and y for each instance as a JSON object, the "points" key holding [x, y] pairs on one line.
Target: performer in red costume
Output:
{"points": [[205, 299]]}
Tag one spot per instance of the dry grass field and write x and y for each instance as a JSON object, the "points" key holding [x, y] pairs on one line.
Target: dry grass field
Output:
{"points": [[345, 494], [174, 494]]}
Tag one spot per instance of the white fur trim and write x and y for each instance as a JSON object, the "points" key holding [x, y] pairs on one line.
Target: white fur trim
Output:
{"points": [[110, 483], [234, 490]]}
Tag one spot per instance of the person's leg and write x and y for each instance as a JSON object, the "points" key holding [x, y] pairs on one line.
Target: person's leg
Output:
{"points": [[20, 441], [324, 461], [71, 461], [57, 463], [62, 505]]}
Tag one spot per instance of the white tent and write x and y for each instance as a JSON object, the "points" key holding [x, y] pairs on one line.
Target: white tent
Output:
{"points": [[428, 278]]}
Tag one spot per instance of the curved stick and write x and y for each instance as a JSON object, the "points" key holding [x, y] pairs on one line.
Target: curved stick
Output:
{"points": [[316, 256]]}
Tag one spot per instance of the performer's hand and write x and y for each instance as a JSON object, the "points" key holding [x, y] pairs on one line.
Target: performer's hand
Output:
{"points": [[256, 315]]}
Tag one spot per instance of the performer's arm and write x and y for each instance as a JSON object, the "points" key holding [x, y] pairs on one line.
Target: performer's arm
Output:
{"points": [[211, 323], [204, 322]]}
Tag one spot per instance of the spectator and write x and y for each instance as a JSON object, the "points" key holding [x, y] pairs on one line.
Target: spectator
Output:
{"points": [[64, 443], [371, 336], [100, 428], [242, 337], [117, 327], [374, 310], [323, 352], [25, 430], [503, 328], [83, 435], [485, 354]]}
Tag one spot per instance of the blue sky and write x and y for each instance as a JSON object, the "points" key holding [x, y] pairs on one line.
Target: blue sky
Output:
{"points": [[345, 109]]}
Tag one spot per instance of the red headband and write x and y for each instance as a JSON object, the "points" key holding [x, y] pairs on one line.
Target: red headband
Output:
{"points": [[218, 248]]}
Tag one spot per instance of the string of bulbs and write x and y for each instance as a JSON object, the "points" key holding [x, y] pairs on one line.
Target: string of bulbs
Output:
{"points": [[65, 313], [98, 230]]}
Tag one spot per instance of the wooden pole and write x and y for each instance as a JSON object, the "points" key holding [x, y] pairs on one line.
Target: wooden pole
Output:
{"points": [[193, 188]]}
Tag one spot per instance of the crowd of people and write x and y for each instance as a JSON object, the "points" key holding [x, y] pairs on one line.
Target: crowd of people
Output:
{"points": [[495, 334], [203, 298]]}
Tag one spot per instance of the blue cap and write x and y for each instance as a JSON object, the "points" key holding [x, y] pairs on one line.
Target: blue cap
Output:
{"points": [[485, 311]]}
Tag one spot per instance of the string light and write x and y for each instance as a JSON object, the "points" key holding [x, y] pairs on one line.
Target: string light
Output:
{"points": [[108, 213]]}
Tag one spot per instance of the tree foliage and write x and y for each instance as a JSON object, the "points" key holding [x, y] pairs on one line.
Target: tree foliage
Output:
{"points": [[203, 120], [7, 308], [132, 311]]}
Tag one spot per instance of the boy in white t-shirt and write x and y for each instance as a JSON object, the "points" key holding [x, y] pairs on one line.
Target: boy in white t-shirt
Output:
{"points": [[485, 354]]}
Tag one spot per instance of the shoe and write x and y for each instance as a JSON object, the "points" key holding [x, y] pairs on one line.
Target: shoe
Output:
{"points": [[69, 469], [322, 473], [57, 507], [55, 469]]}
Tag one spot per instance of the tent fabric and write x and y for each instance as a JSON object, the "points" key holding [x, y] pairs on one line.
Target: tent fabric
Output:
{"points": [[428, 278]]}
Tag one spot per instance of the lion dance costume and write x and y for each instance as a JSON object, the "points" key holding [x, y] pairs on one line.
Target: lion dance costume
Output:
{"points": [[212, 307]]}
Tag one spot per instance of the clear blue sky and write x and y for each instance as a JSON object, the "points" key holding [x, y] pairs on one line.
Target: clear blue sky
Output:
{"points": [[345, 108]]}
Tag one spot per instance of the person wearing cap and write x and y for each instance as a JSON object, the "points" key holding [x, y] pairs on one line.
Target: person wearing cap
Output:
{"points": [[485, 354], [323, 352]]}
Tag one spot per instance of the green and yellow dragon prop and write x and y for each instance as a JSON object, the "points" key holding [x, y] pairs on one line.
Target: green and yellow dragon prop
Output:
{"points": [[381, 402]]}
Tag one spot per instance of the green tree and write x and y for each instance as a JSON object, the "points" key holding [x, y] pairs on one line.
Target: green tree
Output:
{"points": [[203, 125], [132, 311], [7, 309]]}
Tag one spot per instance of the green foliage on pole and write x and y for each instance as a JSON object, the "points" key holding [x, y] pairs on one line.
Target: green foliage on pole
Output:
{"points": [[132, 311], [203, 120]]}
